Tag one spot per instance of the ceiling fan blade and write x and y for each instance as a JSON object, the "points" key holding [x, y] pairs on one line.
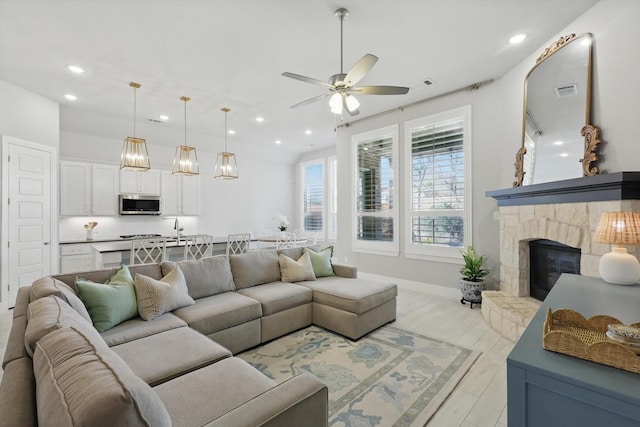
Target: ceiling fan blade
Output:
{"points": [[380, 90], [309, 101], [307, 79], [359, 70]]}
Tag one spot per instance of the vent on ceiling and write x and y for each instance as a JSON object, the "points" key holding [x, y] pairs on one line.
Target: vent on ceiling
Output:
{"points": [[151, 120], [428, 82], [422, 83], [567, 90]]}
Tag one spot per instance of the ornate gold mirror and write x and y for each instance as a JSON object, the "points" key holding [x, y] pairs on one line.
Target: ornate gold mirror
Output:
{"points": [[558, 140]]}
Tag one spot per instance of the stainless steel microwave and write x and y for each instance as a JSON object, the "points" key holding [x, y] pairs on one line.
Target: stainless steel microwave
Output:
{"points": [[139, 204]]}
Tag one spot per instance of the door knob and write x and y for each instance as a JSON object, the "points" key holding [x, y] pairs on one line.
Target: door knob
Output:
{"points": [[46, 243]]}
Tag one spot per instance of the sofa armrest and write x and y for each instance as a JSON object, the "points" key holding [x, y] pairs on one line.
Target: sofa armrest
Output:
{"points": [[18, 394], [346, 271], [299, 401]]}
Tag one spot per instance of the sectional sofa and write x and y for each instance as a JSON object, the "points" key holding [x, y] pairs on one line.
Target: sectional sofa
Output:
{"points": [[178, 368]]}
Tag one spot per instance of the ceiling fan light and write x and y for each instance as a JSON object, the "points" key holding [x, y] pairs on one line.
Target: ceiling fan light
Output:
{"points": [[336, 103], [352, 103]]}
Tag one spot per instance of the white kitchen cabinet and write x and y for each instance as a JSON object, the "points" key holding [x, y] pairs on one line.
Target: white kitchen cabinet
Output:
{"points": [[88, 189], [132, 182], [75, 257], [180, 194]]}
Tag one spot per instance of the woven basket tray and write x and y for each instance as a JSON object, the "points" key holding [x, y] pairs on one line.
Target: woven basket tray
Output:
{"points": [[568, 332]]}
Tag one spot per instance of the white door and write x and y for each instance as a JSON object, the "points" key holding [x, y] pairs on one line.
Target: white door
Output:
{"points": [[29, 205]]}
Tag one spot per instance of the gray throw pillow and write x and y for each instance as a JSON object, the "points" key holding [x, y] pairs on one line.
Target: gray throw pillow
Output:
{"points": [[296, 271], [156, 297]]}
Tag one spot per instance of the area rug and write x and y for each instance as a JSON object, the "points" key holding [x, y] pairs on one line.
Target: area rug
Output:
{"points": [[390, 377]]}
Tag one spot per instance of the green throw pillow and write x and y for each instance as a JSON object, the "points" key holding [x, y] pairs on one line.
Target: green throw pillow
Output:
{"points": [[111, 303], [321, 261]]}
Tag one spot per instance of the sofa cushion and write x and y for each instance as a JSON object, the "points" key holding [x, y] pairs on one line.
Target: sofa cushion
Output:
{"points": [[137, 328], [164, 356], [101, 276], [321, 261], [80, 381], [111, 303], [206, 276], [293, 253], [254, 268], [276, 297], [15, 344], [50, 286], [156, 297], [47, 314], [295, 271], [197, 398], [18, 394], [218, 312], [353, 295], [22, 301]]}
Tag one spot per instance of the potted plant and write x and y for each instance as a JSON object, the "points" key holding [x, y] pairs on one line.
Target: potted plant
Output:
{"points": [[472, 282]]}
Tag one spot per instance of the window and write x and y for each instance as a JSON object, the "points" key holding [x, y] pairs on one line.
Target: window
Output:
{"points": [[374, 175], [438, 163], [332, 205], [312, 175]]}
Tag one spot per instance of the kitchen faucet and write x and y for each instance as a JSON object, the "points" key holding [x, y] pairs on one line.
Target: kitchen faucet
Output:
{"points": [[176, 226]]}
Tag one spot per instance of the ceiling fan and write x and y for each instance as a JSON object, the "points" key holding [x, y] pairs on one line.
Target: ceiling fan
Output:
{"points": [[342, 86]]}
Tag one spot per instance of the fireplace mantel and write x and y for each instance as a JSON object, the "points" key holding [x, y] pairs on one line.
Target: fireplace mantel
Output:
{"points": [[610, 186]]}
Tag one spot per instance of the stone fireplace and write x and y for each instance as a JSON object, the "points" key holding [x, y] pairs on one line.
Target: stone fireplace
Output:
{"points": [[566, 212]]}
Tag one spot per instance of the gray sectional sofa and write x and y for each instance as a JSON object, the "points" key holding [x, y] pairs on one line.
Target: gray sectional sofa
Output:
{"points": [[178, 369]]}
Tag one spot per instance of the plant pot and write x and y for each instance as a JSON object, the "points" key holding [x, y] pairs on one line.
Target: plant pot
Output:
{"points": [[471, 291]]}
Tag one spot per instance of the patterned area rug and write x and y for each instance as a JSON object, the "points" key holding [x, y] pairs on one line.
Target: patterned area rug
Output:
{"points": [[390, 377]]}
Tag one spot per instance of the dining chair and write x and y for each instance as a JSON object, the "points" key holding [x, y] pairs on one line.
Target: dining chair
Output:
{"points": [[238, 243], [299, 237], [198, 246], [285, 240], [148, 251], [265, 232]]}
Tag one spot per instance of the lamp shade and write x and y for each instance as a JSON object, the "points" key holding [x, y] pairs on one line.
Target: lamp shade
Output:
{"points": [[619, 228]]}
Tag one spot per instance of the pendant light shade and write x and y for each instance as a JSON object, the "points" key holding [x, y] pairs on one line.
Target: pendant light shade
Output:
{"points": [[226, 166], [185, 161], [135, 156]]}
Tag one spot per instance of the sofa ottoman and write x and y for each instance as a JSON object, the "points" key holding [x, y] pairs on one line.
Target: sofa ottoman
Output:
{"points": [[352, 307]]}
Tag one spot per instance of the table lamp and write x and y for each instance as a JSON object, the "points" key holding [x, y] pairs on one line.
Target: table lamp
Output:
{"points": [[619, 228]]}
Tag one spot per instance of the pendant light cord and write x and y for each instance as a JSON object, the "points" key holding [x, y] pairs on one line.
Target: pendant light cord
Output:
{"points": [[185, 122], [225, 131], [134, 112]]}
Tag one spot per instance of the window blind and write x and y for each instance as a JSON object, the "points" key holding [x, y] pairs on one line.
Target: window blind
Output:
{"points": [[333, 198], [313, 197]]}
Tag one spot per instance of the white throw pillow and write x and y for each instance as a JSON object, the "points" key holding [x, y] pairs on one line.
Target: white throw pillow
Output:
{"points": [[296, 271], [156, 297]]}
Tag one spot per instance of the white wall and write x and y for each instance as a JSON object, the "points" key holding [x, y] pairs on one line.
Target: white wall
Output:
{"points": [[265, 186], [28, 116], [496, 135]]}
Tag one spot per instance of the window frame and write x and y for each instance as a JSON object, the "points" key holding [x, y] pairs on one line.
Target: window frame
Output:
{"points": [[388, 248], [301, 210], [437, 252]]}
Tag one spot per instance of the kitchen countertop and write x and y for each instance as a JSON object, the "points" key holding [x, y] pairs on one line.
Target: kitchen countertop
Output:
{"points": [[115, 239]]}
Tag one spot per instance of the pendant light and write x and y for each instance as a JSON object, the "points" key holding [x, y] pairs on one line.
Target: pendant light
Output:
{"points": [[185, 161], [226, 167], [134, 150]]}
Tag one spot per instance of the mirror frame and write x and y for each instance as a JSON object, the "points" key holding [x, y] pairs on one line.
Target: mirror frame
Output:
{"points": [[589, 132]]}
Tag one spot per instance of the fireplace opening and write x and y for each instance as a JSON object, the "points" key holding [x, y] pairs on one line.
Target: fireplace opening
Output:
{"points": [[547, 261]]}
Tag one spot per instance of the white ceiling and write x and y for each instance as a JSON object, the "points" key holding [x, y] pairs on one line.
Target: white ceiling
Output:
{"points": [[232, 52]]}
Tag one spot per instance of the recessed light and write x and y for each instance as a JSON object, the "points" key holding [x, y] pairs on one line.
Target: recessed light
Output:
{"points": [[259, 119], [558, 143], [518, 38], [71, 97], [75, 69], [308, 131], [564, 154], [163, 118], [232, 132], [278, 141]]}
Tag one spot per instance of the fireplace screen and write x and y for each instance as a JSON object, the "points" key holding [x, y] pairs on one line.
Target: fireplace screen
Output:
{"points": [[547, 261]]}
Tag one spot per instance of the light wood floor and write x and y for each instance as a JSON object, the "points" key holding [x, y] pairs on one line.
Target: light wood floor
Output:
{"points": [[480, 398]]}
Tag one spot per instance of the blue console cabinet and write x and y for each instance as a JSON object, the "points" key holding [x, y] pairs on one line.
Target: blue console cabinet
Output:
{"points": [[547, 389]]}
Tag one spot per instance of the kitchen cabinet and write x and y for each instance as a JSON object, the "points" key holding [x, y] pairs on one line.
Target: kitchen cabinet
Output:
{"points": [[132, 182], [75, 257], [88, 189], [180, 194]]}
